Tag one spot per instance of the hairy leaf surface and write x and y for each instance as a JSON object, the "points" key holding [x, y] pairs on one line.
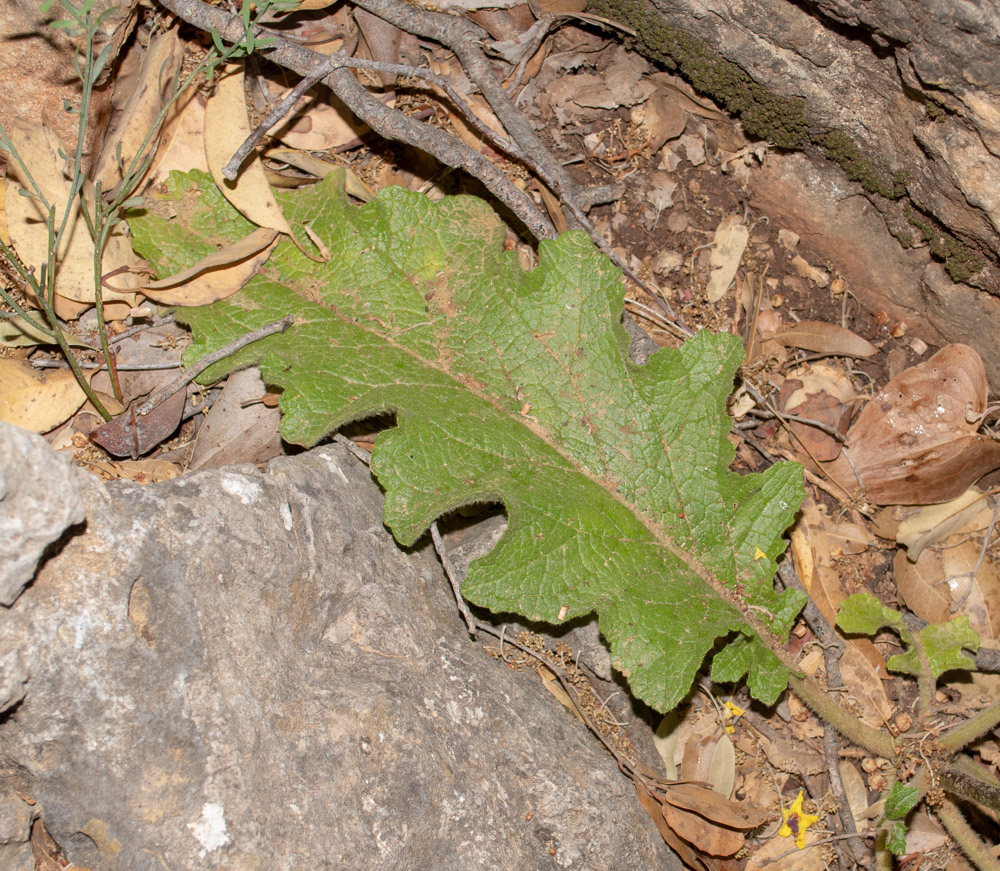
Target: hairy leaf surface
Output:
{"points": [[516, 387]]}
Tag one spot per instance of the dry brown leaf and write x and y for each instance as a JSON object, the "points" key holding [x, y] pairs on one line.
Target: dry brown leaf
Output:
{"points": [[664, 118], [792, 859], [554, 209], [705, 836], [653, 807], [939, 579], [862, 683], [793, 756], [561, 7], [238, 429], [913, 443], [467, 133], [551, 683], [824, 338], [131, 434], [714, 807], [226, 127], [731, 237], [817, 542], [34, 400], [217, 276], [821, 393], [382, 39]]}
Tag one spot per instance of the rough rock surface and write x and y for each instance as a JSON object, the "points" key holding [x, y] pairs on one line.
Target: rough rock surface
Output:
{"points": [[39, 498], [237, 669], [838, 225], [914, 85]]}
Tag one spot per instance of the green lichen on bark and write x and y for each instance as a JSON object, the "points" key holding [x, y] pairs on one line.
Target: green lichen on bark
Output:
{"points": [[960, 261], [765, 115]]}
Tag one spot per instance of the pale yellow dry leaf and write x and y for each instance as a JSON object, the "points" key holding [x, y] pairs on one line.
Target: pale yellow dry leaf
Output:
{"points": [[353, 185], [182, 138], [551, 683], [37, 401], [722, 771], [218, 275], [857, 793], [26, 219], [931, 524], [731, 237], [226, 128], [155, 80], [665, 741]]}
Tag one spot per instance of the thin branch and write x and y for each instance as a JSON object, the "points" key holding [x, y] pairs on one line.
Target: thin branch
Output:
{"points": [[456, 586], [388, 123], [206, 361]]}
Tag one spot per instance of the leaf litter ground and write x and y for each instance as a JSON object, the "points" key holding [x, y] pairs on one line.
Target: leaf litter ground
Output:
{"points": [[648, 223]]}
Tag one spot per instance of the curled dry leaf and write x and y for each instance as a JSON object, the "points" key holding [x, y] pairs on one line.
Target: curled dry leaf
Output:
{"points": [[913, 443], [226, 128], [931, 524], [712, 806], [824, 394], [936, 582], [217, 276]]}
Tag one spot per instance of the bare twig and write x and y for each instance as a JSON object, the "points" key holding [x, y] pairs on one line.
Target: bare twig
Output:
{"points": [[388, 123], [456, 586], [206, 361]]}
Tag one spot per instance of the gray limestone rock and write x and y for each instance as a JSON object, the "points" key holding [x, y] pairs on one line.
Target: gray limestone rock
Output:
{"points": [[241, 670]]}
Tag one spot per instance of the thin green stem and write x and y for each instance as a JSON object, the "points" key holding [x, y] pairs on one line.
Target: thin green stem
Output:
{"points": [[874, 740], [972, 845], [968, 784], [963, 735]]}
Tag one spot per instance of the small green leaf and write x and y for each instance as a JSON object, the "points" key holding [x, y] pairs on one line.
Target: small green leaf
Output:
{"points": [[896, 838], [900, 801], [863, 614], [943, 644]]}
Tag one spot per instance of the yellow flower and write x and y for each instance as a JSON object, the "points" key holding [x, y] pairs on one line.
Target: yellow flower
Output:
{"points": [[796, 822]]}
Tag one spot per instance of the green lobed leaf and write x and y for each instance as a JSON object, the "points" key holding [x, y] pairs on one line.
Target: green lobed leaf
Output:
{"points": [[516, 386], [896, 838], [900, 801], [863, 614], [943, 644]]}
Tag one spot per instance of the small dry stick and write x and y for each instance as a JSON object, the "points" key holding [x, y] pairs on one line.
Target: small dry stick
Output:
{"points": [[206, 361], [456, 586], [232, 169]]}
